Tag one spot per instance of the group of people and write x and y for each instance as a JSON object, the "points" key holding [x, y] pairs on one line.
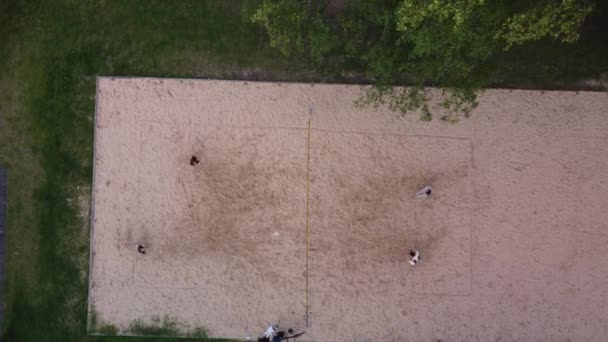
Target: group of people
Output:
{"points": [[414, 253], [272, 333]]}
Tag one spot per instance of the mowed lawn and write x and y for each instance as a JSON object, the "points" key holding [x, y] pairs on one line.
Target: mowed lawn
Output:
{"points": [[50, 54]]}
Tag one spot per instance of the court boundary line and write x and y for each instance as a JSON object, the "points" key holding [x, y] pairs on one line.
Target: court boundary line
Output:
{"points": [[306, 306]]}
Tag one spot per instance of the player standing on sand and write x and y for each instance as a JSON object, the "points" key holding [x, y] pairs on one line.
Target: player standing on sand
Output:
{"points": [[277, 336], [414, 257], [269, 333], [425, 192], [140, 249]]}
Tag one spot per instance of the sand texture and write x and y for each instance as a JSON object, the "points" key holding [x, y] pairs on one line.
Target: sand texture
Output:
{"points": [[513, 238]]}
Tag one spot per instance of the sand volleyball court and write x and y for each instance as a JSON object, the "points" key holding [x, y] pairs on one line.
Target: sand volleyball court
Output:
{"points": [[301, 211]]}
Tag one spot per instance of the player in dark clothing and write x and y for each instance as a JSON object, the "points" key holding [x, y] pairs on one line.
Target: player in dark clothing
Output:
{"points": [[194, 161]]}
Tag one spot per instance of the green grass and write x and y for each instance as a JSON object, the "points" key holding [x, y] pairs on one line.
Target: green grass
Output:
{"points": [[157, 327], [50, 53], [49, 60], [166, 327], [98, 327]]}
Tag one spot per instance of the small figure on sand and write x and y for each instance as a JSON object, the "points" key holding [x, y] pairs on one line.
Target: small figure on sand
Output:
{"points": [[425, 192], [271, 330], [273, 334], [194, 161], [414, 257], [141, 249], [269, 333]]}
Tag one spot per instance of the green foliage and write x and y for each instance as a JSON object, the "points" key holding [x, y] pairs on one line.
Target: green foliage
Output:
{"points": [[412, 14], [284, 21], [558, 19], [372, 25], [444, 43], [458, 100], [294, 27], [397, 99], [435, 45]]}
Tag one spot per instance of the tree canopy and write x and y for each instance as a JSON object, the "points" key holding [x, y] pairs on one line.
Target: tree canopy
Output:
{"points": [[443, 43]]}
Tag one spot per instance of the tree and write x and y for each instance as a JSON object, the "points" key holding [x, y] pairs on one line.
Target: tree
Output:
{"points": [[443, 43], [294, 27], [559, 20]]}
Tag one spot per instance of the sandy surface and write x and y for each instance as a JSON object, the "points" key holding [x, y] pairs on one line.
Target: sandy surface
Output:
{"points": [[513, 238]]}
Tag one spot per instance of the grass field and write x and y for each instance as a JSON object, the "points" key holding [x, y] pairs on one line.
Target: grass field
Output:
{"points": [[50, 55]]}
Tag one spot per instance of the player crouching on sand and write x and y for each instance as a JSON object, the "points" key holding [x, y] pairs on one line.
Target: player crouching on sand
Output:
{"points": [[140, 249], [424, 192], [194, 161]]}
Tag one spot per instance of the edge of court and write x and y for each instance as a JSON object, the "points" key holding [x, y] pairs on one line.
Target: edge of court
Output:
{"points": [[92, 206]]}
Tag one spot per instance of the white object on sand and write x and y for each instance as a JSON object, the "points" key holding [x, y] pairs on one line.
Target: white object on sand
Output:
{"points": [[425, 192], [271, 330]]}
